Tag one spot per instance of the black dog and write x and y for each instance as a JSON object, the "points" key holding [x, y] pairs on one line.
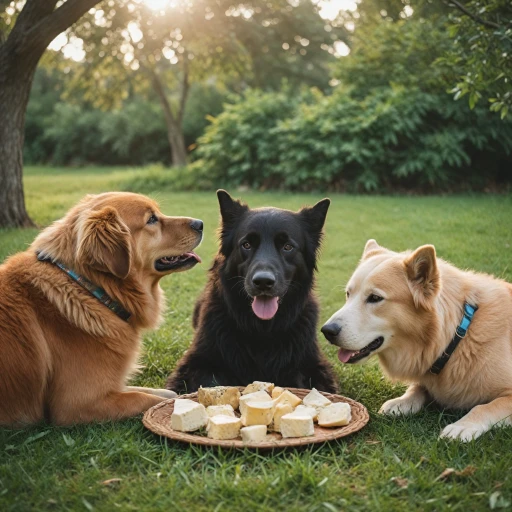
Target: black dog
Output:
{"points": [[257, 317]]}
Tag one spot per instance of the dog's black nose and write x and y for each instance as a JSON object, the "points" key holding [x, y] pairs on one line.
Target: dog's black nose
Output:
{"points": [[330, 331], [263, 280], [197, 225]]}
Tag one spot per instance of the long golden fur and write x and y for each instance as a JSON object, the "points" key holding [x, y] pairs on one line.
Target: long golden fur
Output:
{"points": [[422, 305], [64, 356]]}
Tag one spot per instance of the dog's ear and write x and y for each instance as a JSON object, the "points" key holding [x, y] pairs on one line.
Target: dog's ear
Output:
{"points": [[371, 248], [423, 275], [314, 218], [104, 242], [230, 209]]}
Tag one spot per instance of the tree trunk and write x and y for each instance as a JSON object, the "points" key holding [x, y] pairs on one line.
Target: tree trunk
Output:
{"points": [[174, 126], [36, 25], [14, 94], [177, 143]]}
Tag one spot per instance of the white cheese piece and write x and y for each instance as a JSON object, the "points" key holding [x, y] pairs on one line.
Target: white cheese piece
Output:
{"points": [[279, 411], [258, 386], [287, 397], [315, 399], [306, 409], [223, 427], [253, 434], [181, 403], [188, 417], [294, 425], [277, 391], [219, 395], [220, 410], [335, 415], [258, 396], [257, 413]]}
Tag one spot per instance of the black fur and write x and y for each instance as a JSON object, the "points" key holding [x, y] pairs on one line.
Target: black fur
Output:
{"points": [[232, 346]]}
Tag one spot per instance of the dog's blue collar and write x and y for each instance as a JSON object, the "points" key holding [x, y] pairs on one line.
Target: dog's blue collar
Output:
{"points": [[95, 291], [460, 332]]}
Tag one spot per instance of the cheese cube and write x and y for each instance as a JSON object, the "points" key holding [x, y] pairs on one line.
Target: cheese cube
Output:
{"points": [[188, 417], [220, 410], [279, 411], [294, 425], [258, 386], [223, 427], [257, 413], [182, 403], [287, 397], [258, 396], [315, 399], [253, 434], [277, 391], [335, 415], [219, 395], [306, 409]]}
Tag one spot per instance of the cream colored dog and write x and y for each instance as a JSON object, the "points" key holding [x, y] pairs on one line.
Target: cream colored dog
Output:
{"points": [[405, 308]]}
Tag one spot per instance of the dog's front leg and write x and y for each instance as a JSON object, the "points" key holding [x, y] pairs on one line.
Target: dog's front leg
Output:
{"points": [[409, 403], [481, 419], [163, 393], [113, 406]]}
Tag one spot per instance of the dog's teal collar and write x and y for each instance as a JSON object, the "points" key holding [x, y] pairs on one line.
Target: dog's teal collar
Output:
{"points": [[95, 291], [460, 332]]}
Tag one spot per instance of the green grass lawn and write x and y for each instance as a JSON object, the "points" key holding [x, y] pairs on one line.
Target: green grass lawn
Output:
{"points": [[47, 468]]}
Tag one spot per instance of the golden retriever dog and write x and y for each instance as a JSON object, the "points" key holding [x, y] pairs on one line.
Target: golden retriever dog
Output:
{"points": [[406, 308], [74, 305]]}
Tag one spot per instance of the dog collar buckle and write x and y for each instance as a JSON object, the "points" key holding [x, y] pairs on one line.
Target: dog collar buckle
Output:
{"points": [[460, 333]]}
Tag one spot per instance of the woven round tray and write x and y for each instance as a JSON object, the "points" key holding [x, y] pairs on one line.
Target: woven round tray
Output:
{"points": [[158, 420]]}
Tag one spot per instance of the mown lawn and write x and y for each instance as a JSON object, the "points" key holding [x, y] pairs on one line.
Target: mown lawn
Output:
{"points": [[46, 468]]}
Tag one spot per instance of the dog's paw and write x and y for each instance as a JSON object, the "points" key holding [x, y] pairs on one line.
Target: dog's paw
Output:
{"points": [[463, 431], [165, 393], [400, 406]]}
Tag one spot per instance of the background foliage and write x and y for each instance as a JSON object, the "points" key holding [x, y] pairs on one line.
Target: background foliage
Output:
{"points": [[406, 109]]}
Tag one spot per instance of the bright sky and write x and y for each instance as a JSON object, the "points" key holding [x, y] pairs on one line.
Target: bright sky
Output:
{"points": [[73, 48]]}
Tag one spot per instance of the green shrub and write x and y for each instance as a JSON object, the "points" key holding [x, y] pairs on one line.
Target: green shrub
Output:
{"points": [[239, 147], [392, 138]]}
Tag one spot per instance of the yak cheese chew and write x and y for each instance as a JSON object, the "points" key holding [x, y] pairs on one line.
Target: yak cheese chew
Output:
{"points": [[279, 411], [258, 396], [257, 413], [253, 434], [258, 386], [294, 425], [335, 415], [287, 397], [188, 416], [276, 392], [219, 395], [315, 399], [220, 410], [306, 409], [223, 427]]}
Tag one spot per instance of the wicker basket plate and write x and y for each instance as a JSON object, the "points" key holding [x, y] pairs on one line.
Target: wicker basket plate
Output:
{"points": [[158, 420]]}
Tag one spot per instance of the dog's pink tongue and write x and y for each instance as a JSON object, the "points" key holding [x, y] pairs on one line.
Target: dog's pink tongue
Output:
{"points": [[345, 355], [265, 307]]}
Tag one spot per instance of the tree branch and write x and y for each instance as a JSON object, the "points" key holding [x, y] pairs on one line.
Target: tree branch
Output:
{"points": [[60, 19], [162, 96], [474, 17], [185, 86]]}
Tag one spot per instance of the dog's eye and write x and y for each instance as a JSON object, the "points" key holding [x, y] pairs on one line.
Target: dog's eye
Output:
{"points": [[372, 299], [153, 219], [246, 245], [287, 247]]}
